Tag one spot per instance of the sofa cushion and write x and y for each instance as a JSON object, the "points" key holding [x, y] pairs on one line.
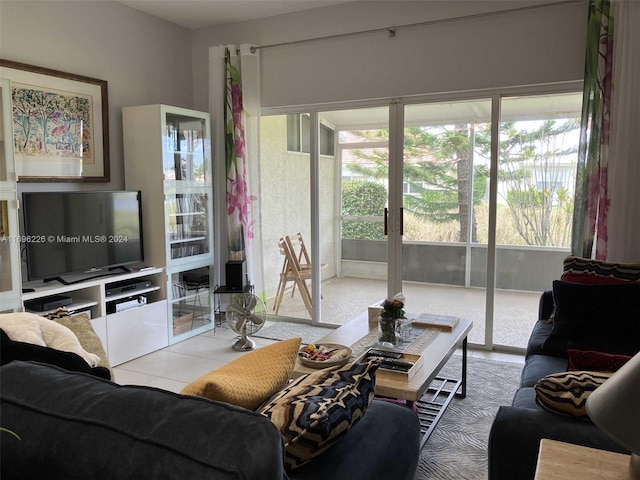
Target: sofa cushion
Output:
{"points": [[11, 350], [250, 380], [80, 325], [73, 425], [567, 392], [595, 361], [590, 271], [316, 410], [605, 318], [539, 366]]}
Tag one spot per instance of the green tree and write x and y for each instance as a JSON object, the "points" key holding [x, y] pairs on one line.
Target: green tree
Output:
{"points": [[361, 199], [438, 170], [531, 159]]}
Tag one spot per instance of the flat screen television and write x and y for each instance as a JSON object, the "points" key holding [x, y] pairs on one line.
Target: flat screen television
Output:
{"points": [[81, 232]]}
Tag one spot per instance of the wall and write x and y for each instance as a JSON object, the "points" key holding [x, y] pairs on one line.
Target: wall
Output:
{"points": [[145, 60], [517, 48]]}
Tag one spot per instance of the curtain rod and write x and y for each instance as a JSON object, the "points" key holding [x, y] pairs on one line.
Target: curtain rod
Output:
{"points": [[392, 30]]}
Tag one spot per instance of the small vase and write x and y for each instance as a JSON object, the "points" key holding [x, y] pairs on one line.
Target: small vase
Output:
{"points": [[390, 331]]}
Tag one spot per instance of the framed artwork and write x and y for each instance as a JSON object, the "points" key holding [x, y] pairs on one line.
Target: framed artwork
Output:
{"points": [[60, 124]]}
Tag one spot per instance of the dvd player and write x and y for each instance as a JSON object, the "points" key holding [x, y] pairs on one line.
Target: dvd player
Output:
{"points": [[126, 286], [48, 303]]}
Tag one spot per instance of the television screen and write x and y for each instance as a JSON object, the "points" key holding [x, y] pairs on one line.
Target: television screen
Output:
{"points": [[74, 232]]}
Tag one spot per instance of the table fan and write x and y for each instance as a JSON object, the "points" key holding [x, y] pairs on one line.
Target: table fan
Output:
{"points": [[245, 315]]}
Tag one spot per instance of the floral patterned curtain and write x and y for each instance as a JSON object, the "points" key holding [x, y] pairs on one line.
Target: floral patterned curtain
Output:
{"points": [[240, 225], [589, 236], [234, 97]]}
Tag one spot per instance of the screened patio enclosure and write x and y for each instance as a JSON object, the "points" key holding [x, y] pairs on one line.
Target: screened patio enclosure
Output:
{"points": [[437, 197]]}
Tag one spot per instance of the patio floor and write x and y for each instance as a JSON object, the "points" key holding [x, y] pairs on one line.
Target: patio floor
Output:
{"points": [[344, 298]]}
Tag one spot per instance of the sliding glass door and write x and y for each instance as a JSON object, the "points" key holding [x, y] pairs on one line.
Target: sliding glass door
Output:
{"points": [[464, 205], [445, 188]]}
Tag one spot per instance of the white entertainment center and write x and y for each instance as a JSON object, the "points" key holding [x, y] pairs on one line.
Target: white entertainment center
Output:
{"points": [[168, 159], [127, 334]]}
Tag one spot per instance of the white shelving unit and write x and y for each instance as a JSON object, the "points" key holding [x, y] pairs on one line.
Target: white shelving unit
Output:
{"points": [[127, 334], [167, 154], [10, 283]]}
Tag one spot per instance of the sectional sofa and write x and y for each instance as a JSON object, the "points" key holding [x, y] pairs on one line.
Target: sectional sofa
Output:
{"points": [[587, 327]]}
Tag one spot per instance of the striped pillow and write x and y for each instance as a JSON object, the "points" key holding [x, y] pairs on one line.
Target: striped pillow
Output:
{"points": [[316, 410], [567, 392], [584, 270]]}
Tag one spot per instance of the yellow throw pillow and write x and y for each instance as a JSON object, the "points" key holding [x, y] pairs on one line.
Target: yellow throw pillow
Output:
{"points": [[251, 379]]}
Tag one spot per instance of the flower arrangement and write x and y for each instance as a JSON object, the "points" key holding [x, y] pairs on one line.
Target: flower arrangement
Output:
{"points": [[393, 308]]}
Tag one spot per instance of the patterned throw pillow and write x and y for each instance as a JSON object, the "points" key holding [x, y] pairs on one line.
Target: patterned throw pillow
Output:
{"points": [[567, 392], [597, 272], [316, 410], [80, 324], [595, 361], [251, 379]]}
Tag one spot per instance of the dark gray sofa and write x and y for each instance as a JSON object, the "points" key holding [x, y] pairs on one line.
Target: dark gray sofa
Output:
{"points": [[517, 429], [75, 425]]}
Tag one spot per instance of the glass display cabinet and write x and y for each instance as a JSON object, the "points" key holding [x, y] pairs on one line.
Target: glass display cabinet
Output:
{"points": [[168, 157]]}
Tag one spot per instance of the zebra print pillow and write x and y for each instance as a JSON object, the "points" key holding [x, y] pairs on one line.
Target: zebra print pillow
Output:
{"points": [[315, 410], [598, 272], [567, 392]]}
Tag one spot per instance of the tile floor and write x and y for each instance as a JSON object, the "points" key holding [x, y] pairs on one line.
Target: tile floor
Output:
{"points": [[175, 366]]}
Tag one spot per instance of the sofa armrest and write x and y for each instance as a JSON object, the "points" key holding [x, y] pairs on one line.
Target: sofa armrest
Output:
{"points": [[384, 444], [545, 307], [515, 437]]}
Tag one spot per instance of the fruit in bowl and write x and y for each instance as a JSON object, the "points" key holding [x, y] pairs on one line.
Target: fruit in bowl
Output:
{"points": [[326, 354]]}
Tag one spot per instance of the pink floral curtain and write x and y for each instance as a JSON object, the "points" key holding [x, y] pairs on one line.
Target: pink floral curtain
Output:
{"points": [[234, 98], [240, 225], [590, 235]]}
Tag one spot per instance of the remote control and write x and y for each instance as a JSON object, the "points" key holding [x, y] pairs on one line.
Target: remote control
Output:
{"points": [[395, 367], [383, 353], [393, 362]]}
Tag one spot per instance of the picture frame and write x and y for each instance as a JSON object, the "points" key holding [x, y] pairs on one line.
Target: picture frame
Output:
{"points": [[60, 124]]}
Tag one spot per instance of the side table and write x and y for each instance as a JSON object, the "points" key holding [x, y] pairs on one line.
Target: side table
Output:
{"points": [[221, 290], [565, 461]]}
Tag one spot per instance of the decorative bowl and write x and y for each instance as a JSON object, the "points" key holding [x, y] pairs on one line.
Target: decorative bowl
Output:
{"points": [[324, 355]]}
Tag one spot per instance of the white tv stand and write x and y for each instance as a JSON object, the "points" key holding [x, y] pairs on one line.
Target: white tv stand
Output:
{"points": [[127, 334]]}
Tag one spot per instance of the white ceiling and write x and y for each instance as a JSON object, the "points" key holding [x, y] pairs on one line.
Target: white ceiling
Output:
{"points": [[196, 14]]}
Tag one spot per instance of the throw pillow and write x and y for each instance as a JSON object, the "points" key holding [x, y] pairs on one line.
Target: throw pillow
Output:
{"points": [[598, 272], [20, 325], [11, 350], [567, 392], [80, 325], [604, 318], [314, 411], [251, 379], [595, 361]]}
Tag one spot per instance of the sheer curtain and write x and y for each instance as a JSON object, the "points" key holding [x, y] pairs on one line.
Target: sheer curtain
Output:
{"points": [[234, 99], [624, 150], [607, 205]]}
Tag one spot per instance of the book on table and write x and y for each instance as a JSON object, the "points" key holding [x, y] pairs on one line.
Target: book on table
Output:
{"points": [[444, 322]]}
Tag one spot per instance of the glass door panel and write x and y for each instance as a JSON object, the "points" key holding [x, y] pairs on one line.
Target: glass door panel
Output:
{"points": [[445, 191], [537, 158], [353, 241], [285, 178], [187, 183], [190, 302]]}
